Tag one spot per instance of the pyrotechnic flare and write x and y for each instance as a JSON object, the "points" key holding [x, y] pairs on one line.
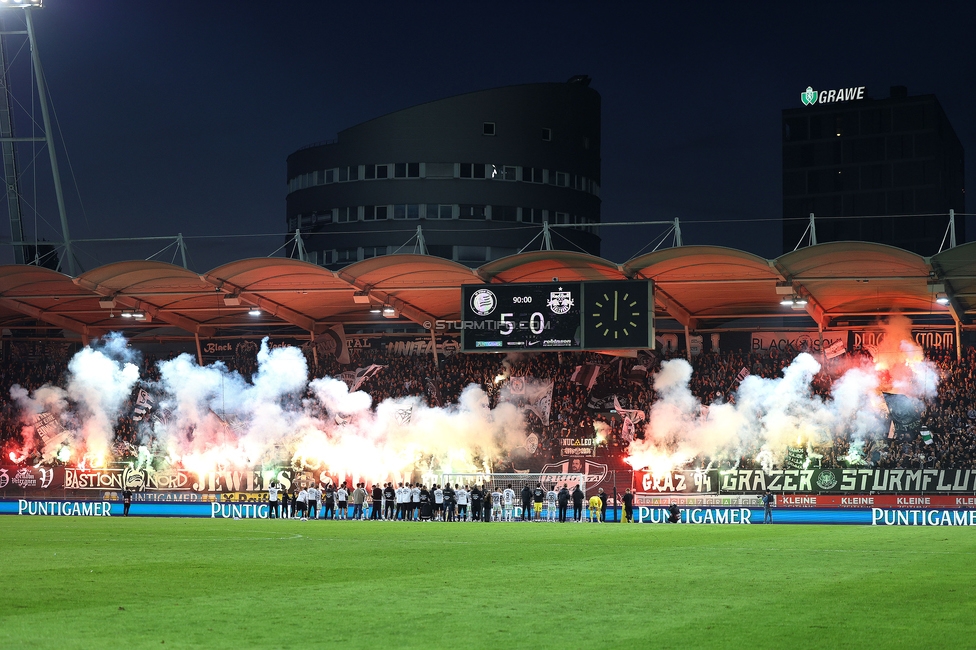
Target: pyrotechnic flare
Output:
{"points": [[769, 415], [219, 420]]}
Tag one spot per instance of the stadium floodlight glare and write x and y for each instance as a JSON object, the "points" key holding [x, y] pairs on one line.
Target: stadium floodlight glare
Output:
{"points": [[388, 310], [942, 299], [26, 4], [375, 309], [799, 301], [126, 314], [787, 301], [254, 312]]}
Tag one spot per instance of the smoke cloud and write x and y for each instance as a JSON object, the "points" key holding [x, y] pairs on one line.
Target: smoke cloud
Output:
{"points": [[769, 415]]}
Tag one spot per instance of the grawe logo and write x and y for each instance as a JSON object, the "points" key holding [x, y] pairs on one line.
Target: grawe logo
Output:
{"points": [[809, 97]]}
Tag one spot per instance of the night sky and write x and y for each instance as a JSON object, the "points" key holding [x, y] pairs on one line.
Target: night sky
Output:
{"points": [[178, 116]]}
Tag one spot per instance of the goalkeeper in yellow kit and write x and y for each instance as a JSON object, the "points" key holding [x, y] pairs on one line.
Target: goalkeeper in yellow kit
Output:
{"points": [[596, 505]]}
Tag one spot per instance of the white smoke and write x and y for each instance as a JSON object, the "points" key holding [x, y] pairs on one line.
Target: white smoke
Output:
{"points": [[770, 415], [220, 420], [101, 377]]}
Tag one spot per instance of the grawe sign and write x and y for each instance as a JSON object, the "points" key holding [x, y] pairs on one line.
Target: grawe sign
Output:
{"points": [[809, 97]]}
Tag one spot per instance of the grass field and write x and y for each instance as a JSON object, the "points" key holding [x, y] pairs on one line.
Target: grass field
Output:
{"points": [[98, 582]]}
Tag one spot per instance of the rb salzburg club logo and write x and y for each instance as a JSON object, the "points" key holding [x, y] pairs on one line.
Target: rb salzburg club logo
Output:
{"points": [[560, 302]]}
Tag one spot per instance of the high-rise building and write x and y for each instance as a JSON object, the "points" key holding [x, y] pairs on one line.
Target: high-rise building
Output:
{"points": [[480, 174], [880, 170]]}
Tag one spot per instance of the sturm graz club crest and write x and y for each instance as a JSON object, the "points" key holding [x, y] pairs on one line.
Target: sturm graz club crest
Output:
{"points": [[483, 302], [560, 302], [134, 479], [826, 480]]}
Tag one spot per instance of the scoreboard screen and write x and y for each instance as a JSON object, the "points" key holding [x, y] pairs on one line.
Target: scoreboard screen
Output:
{"points": [[602, 315], [498, 317]]}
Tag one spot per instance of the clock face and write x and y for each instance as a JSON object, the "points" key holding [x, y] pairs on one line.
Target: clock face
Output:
{"points": [[616, 314]]}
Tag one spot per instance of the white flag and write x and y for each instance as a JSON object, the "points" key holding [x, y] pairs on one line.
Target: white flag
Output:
{"points": [[836, 349], [636, 416], [144, 402], [362, 374], [539, 398], [403, 415]]}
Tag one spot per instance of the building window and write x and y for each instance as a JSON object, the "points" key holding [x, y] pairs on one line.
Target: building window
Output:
{"points": [[561, 179], [472, 253], [504, 213], [504, 172], [562, 217], [408, 211], [330, 175], [376, 171], [373, 251], [532, 174], [533, 215], [345, 215], [488, 128], [350, 173], [439, 211], [471, 170], [439, 170], [497, 252], [406, 170], [546, 135], [472, 212], [345, 255], [374, 212], [447, 252], [292, 224]]}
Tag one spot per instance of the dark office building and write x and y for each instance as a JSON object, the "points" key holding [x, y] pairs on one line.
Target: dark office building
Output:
{"points": [[847, 155], [480, 173]]}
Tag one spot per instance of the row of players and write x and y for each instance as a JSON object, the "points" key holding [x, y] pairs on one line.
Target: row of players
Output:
{"points": [[439, 503]]}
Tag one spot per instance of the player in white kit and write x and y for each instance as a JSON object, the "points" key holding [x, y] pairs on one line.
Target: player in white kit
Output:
{"points": [[496, 505], [551, 498], [508, 502]]}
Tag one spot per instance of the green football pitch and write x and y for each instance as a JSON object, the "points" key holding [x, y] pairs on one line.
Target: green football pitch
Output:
{"points": [[117, 583]]}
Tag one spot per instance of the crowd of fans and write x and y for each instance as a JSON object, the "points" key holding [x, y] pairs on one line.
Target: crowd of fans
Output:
{"points": [[576, 411]]}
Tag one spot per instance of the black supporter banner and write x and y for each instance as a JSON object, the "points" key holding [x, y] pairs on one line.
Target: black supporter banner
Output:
{"points": [[605, 472]]}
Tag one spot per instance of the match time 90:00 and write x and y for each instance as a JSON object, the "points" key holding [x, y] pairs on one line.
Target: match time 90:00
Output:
{"points": [[521, 300]]}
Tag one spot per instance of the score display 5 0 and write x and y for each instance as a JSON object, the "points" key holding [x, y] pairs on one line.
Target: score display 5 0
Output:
{"points": [[536, 323]]}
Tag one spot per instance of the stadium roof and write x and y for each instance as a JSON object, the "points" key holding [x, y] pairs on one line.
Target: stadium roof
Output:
{"points": [[699, 286]]}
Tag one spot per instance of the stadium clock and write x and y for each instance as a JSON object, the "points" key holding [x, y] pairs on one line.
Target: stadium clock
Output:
{"points": [[618, 314]]}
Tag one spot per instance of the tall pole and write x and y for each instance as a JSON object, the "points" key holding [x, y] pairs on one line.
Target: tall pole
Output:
{"points": [[49, 137], [9, 150]]}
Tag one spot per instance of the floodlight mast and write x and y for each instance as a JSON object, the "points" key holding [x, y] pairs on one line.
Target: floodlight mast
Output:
{"points": [[49, 134], [16, 224]]}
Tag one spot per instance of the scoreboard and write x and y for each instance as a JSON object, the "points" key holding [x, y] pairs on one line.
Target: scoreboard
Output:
{"points": [[557, 316]]}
